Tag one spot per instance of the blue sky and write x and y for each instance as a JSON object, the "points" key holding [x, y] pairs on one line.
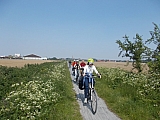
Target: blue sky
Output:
{"points": [[78, 28]]}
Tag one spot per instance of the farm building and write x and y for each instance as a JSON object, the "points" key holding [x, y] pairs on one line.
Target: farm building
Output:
{"points": [[33, 57]]}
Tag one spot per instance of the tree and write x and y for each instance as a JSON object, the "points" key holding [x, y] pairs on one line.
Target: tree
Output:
{"points": [[154, 65], [134, 50]]}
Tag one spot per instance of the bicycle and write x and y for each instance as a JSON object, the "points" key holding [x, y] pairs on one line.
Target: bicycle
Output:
{"points": [[92, 94]]}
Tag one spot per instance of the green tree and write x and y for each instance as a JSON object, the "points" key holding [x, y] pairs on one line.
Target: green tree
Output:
{"points": [[154, 65], [134, 50]]}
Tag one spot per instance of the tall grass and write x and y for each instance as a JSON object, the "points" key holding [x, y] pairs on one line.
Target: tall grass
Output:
{"points": [[38, 92], [131, 96]]}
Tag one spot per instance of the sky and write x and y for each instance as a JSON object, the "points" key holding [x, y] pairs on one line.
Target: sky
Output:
{"points": [[73, 28]]}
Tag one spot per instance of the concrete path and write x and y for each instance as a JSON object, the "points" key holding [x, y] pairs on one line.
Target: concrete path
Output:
{"points": [[102, 113]]}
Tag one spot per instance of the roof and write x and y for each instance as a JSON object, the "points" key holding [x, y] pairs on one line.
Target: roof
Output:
{"points": [[32, 55]]}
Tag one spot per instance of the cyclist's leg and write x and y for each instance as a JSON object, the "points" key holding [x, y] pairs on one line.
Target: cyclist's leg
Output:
{"points": [[75, 75], [86, 91], [78, 72], [73, 71]]}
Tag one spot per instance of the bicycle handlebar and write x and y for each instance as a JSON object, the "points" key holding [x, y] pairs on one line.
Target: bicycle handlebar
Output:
{"points": [[91, 75]]}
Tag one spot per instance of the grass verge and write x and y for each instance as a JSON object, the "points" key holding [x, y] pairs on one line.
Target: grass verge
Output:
{"points": [[38, 92], [124, 95]]}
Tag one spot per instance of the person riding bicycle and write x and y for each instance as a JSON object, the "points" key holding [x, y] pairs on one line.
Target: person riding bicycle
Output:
{"points": [[82, 65], [73, 69], [89, 68], [77, 67]]}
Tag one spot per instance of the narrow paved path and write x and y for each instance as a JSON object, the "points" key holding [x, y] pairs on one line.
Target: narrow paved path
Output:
{"points": [[102, 113]]}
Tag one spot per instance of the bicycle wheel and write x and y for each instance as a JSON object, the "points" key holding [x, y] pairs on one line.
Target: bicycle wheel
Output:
{"points": [[94, 102]]}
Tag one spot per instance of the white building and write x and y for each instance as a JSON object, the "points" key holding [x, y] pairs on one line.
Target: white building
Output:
{"points": [[34, 57]]}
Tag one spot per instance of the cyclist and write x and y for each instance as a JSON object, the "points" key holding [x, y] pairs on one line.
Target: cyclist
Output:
{"points": [[77, 67], [73, 69], [73, 63], [89, 68], [82, 65]]}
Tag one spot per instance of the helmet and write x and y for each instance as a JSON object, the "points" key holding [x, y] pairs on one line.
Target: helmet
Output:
{"points": [[90, 61]]}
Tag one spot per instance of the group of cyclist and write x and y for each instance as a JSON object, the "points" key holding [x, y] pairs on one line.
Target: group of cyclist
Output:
{"points": [[76, 66], [84, 69]]}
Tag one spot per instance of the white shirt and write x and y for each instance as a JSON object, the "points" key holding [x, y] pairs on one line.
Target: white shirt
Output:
{"points": [[90, 69]]}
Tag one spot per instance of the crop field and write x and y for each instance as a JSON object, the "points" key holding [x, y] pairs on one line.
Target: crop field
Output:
{"points": [[20, 63], [121, 65]]}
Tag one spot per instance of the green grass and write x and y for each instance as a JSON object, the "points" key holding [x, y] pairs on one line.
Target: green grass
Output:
{"points": [[41, 92], [121, 94], [67, 107]]}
